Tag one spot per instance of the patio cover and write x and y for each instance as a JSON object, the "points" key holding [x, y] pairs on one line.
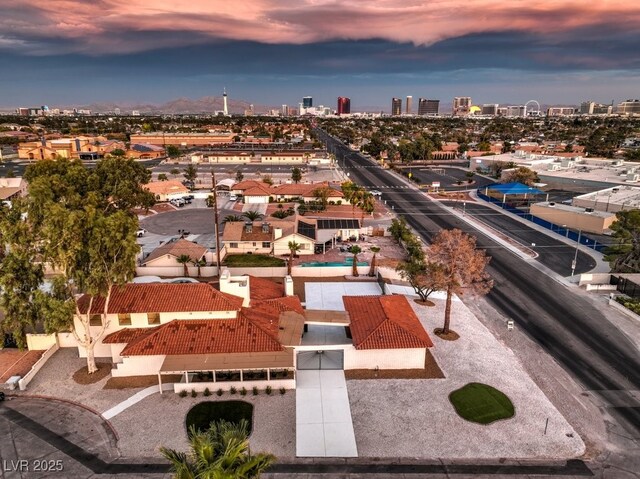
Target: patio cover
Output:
{"points": [[515, 189], [217, 362]]}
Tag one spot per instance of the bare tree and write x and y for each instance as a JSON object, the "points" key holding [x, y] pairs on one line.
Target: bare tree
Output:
{"points": [[463, 266]]}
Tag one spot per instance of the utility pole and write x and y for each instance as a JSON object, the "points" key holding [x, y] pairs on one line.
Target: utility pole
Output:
{"points": [[215, 218], [575, 258]]}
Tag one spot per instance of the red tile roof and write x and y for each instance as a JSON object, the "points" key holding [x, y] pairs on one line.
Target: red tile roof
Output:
{"points": [[261, 289], [176, 249], [163, 297], [258, 191], [125, 335], [204, 336], [244, 185], [384, 322]]}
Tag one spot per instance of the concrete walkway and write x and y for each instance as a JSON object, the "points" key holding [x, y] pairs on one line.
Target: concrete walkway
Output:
{"points": [[323, 415], [136, 398]]}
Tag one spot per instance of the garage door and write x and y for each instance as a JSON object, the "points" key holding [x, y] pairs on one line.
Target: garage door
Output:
{"points": [[333, 359]]}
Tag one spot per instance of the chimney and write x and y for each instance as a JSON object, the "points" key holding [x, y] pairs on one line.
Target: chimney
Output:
{"points": [[277, 233], [288, 285], [265, 227], [248, 227]]}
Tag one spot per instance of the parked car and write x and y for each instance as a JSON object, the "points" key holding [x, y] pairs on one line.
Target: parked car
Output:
{"points": [[233, 198], [1, 396], [179, 202], [141, 232], [187, 199]]}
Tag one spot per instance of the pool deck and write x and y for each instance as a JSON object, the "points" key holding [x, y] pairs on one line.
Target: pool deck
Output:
{"points": [[328, 296]]}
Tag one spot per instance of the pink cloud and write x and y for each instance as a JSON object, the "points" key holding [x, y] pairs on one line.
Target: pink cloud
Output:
{"points": [[115, 26]]}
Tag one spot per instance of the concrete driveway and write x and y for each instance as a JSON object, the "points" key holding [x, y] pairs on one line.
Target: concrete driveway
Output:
{"points": [[323, 415]]}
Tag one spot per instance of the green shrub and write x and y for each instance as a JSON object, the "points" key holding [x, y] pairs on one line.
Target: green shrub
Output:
{"points": [[243, 391], [220, 392], [255, 390], [206, 392], [183, 393], [194, 393], [233, 390], [629, 303], [283, 391], [203, 414], [268, 390]]}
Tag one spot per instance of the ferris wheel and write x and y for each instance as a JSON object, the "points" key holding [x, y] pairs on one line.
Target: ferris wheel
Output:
{"points": [[535, 112]]}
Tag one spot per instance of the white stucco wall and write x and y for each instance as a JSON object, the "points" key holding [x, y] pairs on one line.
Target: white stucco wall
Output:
{"points": [[281, 245], [252, 200], [138, 366], [383, 358]]}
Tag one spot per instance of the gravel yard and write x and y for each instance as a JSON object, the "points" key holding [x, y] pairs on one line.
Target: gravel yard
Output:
{"points": [[414, 418], [159, 420], [55, 380]]}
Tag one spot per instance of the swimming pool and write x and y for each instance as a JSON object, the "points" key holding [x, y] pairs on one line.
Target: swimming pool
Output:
{"points": [[318, 264]]}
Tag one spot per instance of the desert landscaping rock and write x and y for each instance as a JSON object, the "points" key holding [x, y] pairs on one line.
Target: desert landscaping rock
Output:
{"points": [[414, 418]]}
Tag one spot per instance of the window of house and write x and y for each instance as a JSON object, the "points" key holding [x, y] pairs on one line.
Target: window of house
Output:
{"points": [[254, 243], [95, 320], [304, 246], [124, 319], [153, 318], [233, 245], [266, 244]]}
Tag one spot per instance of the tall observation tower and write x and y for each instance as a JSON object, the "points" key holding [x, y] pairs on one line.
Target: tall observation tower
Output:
{"points": [[225, 108]]}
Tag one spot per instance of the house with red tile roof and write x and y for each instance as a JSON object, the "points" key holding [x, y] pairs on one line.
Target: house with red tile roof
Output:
{"points": [[386, 334], [163, 261], [249, 333]]}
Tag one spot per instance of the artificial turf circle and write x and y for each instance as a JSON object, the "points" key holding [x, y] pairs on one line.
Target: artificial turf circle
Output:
{"points": [[203, 414], [481, 403]]}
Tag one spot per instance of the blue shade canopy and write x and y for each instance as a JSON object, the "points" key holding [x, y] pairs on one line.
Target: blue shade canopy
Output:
{"points": [[515, 189]]}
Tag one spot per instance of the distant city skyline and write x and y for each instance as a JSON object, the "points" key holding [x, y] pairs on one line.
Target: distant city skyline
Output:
{"points": [[70, 52]]}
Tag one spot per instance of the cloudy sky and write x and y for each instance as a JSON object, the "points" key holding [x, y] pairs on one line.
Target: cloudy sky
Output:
{"points": [[61, 52]]}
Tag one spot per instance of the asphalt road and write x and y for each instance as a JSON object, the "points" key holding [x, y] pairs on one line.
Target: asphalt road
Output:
{"points": [[565, 324], [448, 178], [553, 253]]}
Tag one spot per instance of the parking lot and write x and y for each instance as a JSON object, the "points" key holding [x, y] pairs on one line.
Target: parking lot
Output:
{"points": [[448, 178]]}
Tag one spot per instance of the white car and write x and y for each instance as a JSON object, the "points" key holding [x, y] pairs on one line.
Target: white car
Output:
{"points": [[376, 192], [141, 232]]}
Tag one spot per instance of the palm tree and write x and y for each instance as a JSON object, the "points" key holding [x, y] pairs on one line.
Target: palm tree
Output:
{"points": [[252, 215], [221, 452], [199, 263], [293, 248], [231, 219], [367, 203], [357, 193], [355, 250], [184, 260], [375, 250]]}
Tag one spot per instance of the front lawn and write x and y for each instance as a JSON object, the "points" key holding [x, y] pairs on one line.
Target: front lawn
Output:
{"points": [[252, 260], [203, 414], [481, 403]]}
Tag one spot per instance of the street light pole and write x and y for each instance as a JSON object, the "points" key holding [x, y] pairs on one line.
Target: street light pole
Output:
{"points": [[575, 258], [215, 219]]}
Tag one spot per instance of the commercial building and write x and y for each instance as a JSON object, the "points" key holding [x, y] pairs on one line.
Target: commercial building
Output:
{"points": [[396, 106], [307, 102], [82, 147], [428, 107], [183, 139], [344, 105], [561, 111], [593, 108], [629, 107], [461, 105], [489, 109], [587, 220], [518, 111], [610, 200], [409, 105]]}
